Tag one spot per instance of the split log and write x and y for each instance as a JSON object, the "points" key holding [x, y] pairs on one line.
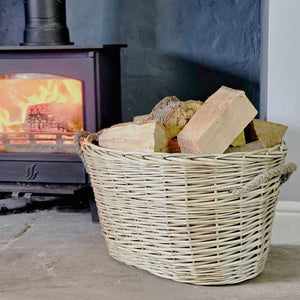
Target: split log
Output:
{"points": [[180, 116], [150, 136], [217, 122], [269, 134], [163, 108]]}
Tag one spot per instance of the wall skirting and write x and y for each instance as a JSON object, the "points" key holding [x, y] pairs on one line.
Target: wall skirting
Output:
{"points": [[288, 206], [286, 226]]}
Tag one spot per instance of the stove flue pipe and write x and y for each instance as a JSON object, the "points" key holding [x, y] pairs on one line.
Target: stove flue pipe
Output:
{"points": [[45, 23]]}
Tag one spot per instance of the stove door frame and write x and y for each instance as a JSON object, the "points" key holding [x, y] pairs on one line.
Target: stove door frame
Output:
{"points": [[98, 68]]}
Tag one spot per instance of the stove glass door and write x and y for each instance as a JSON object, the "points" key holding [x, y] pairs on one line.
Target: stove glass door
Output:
{"points": [[39, 112]]}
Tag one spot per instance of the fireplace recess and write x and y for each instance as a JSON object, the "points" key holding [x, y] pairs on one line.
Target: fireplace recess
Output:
{"points": [[98, 69]]}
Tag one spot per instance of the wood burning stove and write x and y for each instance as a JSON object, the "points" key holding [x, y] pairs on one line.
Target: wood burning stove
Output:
{"points": [[50, 89], [48, 93]]}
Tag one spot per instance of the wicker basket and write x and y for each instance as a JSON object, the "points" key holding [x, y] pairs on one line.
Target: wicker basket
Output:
{"points": [[190, 218]]}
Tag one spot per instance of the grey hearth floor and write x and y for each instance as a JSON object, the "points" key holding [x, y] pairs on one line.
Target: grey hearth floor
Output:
{"points": [[54, 254]]}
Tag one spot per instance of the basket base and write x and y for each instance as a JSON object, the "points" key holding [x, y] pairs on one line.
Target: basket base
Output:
{"points": [[197, 280]]}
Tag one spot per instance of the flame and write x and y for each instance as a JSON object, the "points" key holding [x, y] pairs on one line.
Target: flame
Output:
{"points": [[19, 93]]}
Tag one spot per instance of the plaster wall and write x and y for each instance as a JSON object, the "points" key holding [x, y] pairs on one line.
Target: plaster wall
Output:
{"points": [[283, 81]]}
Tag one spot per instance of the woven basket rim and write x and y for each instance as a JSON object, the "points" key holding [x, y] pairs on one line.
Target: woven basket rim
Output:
{"points": [[279, 147]]}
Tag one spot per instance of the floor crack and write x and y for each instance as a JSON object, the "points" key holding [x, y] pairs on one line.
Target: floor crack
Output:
{"points": [[16, 237], [23, 231]]}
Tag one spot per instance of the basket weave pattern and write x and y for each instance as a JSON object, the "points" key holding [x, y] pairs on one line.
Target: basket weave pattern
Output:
{"points": [[175, 215]]}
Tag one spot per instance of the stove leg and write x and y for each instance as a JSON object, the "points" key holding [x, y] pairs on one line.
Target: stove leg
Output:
{"points": [[93, 209]]}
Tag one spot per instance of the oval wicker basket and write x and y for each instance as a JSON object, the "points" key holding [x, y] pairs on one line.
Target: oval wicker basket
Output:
{"points": [[195, 219]]}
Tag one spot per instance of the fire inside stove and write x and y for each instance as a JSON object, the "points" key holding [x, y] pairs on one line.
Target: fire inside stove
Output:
{"points": [[39, 113]]}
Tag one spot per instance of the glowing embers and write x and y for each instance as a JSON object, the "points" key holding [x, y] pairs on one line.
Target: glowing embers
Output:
{"points": [[39, 113]]}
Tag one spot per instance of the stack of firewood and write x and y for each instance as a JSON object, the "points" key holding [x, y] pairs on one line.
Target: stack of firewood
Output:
{"points": [[223, 123], [53, 117]]}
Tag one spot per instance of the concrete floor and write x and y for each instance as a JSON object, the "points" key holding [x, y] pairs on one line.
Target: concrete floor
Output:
{"points": [[54, 254]]}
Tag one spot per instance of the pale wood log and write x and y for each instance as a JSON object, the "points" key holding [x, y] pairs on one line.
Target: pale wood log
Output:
{"points": [[150, 136], [217, 122]]}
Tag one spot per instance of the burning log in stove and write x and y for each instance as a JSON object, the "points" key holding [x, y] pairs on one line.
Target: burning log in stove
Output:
{"points": [[53, 117]]}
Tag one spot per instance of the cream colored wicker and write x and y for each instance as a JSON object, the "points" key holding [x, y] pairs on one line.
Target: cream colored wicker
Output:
{"points": [[186, 217]]}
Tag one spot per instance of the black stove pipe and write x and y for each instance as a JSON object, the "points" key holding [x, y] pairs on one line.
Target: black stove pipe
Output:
{"points": [[45, 23]]}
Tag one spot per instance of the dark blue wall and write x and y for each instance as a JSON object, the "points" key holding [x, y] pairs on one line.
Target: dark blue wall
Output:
{"points": [[187, 48]]}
